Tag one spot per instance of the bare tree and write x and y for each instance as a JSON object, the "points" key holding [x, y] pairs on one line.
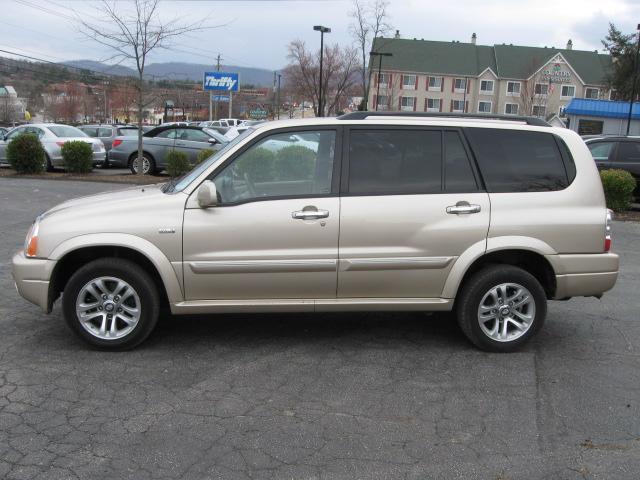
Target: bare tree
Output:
{"points": [[370, 20], [132, 36], [339, 74], [532, 96]]}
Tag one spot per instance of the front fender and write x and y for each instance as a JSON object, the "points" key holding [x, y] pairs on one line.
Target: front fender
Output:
{"points": [[170, 277]]}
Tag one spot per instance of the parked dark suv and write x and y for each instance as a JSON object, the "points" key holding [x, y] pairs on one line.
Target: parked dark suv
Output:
{"points": [[617, 152]]}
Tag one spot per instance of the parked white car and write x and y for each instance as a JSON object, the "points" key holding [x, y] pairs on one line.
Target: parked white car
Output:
{"points": [[53, 136]]}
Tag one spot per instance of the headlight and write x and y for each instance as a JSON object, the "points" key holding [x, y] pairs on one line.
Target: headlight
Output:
{"points": [[31, 242]]}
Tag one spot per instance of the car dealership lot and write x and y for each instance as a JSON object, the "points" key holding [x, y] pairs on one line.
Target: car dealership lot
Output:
{"points": [[356, 395]]}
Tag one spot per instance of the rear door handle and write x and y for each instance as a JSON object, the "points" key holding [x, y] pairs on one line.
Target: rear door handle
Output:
{"points": [[463, 208], [309, 214]]}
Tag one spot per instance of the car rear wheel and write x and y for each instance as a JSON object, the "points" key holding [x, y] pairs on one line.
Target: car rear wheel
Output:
{"points": [[148, 164], [111, 304], [501, 307]]}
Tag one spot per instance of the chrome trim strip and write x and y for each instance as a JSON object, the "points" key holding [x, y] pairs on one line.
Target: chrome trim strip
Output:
{"points": [[395, 263], [264, 266]]}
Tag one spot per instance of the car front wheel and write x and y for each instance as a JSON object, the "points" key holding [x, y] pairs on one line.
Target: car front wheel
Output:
{"points": [[111, 303], [501, 307]]}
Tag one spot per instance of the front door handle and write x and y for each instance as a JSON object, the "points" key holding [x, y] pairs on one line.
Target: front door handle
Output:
{"points": [[309, 213], [463, 208], [180, 143]]}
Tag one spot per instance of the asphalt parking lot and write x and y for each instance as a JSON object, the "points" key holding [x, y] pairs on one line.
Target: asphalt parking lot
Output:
{"points": [[331, 396]]}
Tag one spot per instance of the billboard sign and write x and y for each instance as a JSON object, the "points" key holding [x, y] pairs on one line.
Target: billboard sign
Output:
{"points": [[221, 81]]}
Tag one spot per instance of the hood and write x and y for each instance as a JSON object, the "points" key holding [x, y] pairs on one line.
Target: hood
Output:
{"points": [[107, 201]]}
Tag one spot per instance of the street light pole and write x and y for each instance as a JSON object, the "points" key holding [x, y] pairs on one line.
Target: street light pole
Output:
{"points": [[278, 97], [322, 30], [380, 55], [635, 77]]}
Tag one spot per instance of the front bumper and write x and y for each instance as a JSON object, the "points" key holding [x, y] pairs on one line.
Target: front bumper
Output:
{"points": [[32, 278], [584, 275]]}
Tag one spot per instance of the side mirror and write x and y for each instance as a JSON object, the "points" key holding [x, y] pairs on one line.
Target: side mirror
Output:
{"points": [[207, 194], [213, 141]]}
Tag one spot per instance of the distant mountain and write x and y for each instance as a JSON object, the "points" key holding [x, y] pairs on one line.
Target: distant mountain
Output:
{"points": [[180, 71]]}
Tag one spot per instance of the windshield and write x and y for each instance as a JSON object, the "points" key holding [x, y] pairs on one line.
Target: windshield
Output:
{"points": [[181, 183], [220, 138], [65, 131]]}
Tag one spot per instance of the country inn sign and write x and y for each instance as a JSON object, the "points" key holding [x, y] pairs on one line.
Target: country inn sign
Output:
{"points": [[431, 76]]}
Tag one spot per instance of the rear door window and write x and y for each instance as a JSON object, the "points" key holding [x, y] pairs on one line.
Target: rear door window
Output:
{"points": [[628, 152], [518, 161], [105, 132], [395, 161]]}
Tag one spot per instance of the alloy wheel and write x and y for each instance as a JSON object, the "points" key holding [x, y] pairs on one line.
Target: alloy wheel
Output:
{"points": [[108, 308], [506, 312]]}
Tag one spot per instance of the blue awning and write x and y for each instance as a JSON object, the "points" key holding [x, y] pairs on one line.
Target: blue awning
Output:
{"points": [[602, 108]]}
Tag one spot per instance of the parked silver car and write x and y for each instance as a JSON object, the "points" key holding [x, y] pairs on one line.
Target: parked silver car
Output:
{"points": [[157, 144], [107, 133], [488, 217], [53, 136]]}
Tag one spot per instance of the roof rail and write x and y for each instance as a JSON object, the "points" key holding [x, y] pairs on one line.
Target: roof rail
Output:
{"points": [[362, 115]]}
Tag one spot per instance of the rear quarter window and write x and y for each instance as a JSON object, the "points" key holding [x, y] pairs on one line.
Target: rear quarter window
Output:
{"points": [[520, 161]]}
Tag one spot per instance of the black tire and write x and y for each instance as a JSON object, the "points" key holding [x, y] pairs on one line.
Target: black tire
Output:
{"points": [[132, 274], [474, 290], [48, 166], [149, 158]]}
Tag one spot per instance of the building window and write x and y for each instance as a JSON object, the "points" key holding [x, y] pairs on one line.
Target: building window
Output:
{"points": [[486, 87], [511, 108], [513, 89], [407, 103], [408, 82], [593, 93], [383, 102], [541, 89], [434, 105], [568, 91], [484, 107], [435, 84], [459, 84], [539, 111], [594, 127], [383, 79], [457, 106], [561, 111]]}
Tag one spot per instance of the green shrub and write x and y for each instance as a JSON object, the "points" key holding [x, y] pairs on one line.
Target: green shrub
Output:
{"points": [[294, 163], [77, 156], [177, 163], [204, 154], [25, 154], [258, 164], [618, 188]]}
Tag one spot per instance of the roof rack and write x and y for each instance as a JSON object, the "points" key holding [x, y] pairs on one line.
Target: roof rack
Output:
{"points": [[362, 115]]}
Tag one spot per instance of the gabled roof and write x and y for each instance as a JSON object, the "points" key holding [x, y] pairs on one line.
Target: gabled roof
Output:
{"points": [[507, 61], [602, 108]]}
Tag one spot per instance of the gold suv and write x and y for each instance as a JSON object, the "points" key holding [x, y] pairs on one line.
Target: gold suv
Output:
{"points": [[489, 217]]}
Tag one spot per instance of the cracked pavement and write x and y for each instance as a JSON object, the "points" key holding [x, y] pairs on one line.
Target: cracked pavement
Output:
{"points": [[316, 396]]}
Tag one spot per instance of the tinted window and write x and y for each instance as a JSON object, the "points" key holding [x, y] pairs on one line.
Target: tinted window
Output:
{"points": [[191, 135], [128, 132], [281, 165], [601, 150], [458, 176], [395, 161], [169, 133], [518, 161], [105, 132], [629, 152], [91, 131]]}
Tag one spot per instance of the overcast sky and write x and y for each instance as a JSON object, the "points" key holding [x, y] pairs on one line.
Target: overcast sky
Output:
{"points": [[255, 33]]}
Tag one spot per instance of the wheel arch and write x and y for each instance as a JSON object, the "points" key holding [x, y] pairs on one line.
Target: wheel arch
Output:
{"points": [[526, 253], [78, 251]]}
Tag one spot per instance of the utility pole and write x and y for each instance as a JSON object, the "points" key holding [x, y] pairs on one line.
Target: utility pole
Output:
{"points": [[322, 30], [635, 77], [278, 98], [215, 115], [380, 55]]}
